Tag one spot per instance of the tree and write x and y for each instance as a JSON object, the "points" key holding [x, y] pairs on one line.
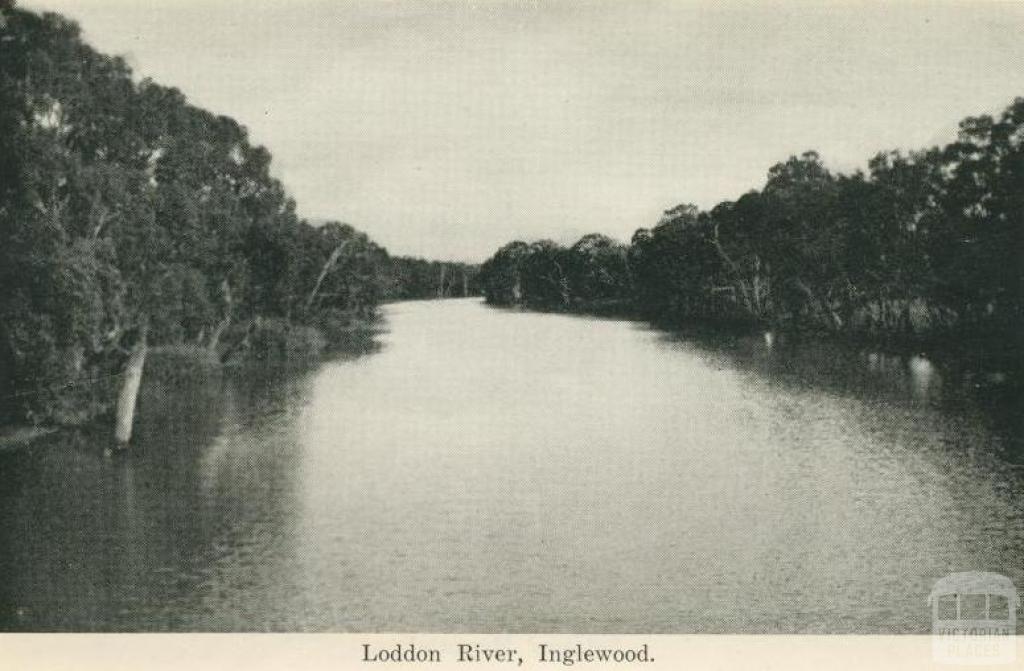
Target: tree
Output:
{"points": [[501, 276], [600, 269], [131, 222]]}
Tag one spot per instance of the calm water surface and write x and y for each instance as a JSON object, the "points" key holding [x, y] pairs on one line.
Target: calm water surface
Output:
{"points": [[502, 471]]}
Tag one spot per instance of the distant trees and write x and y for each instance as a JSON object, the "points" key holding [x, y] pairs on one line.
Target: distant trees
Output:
{"points": [[546, 275], [414, 278], [924, 244]]}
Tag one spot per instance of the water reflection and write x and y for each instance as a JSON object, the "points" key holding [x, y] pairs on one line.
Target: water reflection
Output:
{"points": [[952, 385], [926, 383], [135, 543], [508, 471]]}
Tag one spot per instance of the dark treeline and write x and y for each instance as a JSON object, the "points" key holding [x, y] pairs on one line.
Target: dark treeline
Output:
{"points": [[923, 246], [132, 221], [415, 278]]}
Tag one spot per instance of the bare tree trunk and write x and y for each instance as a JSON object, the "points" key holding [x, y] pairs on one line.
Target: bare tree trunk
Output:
{"points": [[821, 309], [215, 337], [126, 400], [331, 260], [741, 284], [761, 287], [563, 284], [465, 285]]}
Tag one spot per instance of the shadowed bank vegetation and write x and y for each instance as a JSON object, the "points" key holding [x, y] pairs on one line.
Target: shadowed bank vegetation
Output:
{"points": [[414, 278], [134, 223], [923, 247]]}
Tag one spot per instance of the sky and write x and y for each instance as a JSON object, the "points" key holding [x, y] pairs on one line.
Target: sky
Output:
{"points": [[446, 129]]}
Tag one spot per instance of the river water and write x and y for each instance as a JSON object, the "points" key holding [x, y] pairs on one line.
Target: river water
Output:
{"points": [[491, 470]]}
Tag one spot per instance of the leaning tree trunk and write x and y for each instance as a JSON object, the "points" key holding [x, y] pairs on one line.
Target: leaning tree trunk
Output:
{"points": [[749, 304], [126, 400], [225, 322], [328, 265]]}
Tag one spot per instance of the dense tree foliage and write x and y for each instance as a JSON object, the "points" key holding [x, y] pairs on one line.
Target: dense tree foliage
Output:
{"points": [[415, 278], [546, 275], [130, 218], [922, 245]]}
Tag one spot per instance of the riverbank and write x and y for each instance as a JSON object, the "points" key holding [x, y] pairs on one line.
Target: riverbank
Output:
{"points": [[170, 369], [999, 358]]}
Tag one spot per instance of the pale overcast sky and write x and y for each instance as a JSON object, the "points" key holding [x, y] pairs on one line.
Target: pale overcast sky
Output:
{"points": [[446, 129]]}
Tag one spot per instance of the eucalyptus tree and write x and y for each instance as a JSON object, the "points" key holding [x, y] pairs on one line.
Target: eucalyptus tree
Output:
{"points": [[130, 218], [501, 276], [600, 269], [673, 265], [545, 275], [978, 245], [62, 302]]}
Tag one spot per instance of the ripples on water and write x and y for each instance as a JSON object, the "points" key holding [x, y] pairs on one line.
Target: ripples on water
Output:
{"points": [[503, 471]]}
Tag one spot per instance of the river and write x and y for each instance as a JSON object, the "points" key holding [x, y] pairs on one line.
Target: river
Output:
{"points": [[492, 470]]}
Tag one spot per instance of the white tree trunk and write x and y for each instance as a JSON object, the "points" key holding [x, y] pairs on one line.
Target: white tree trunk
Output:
{"points": [[126, 400], [225, 322], [331, 260]]}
